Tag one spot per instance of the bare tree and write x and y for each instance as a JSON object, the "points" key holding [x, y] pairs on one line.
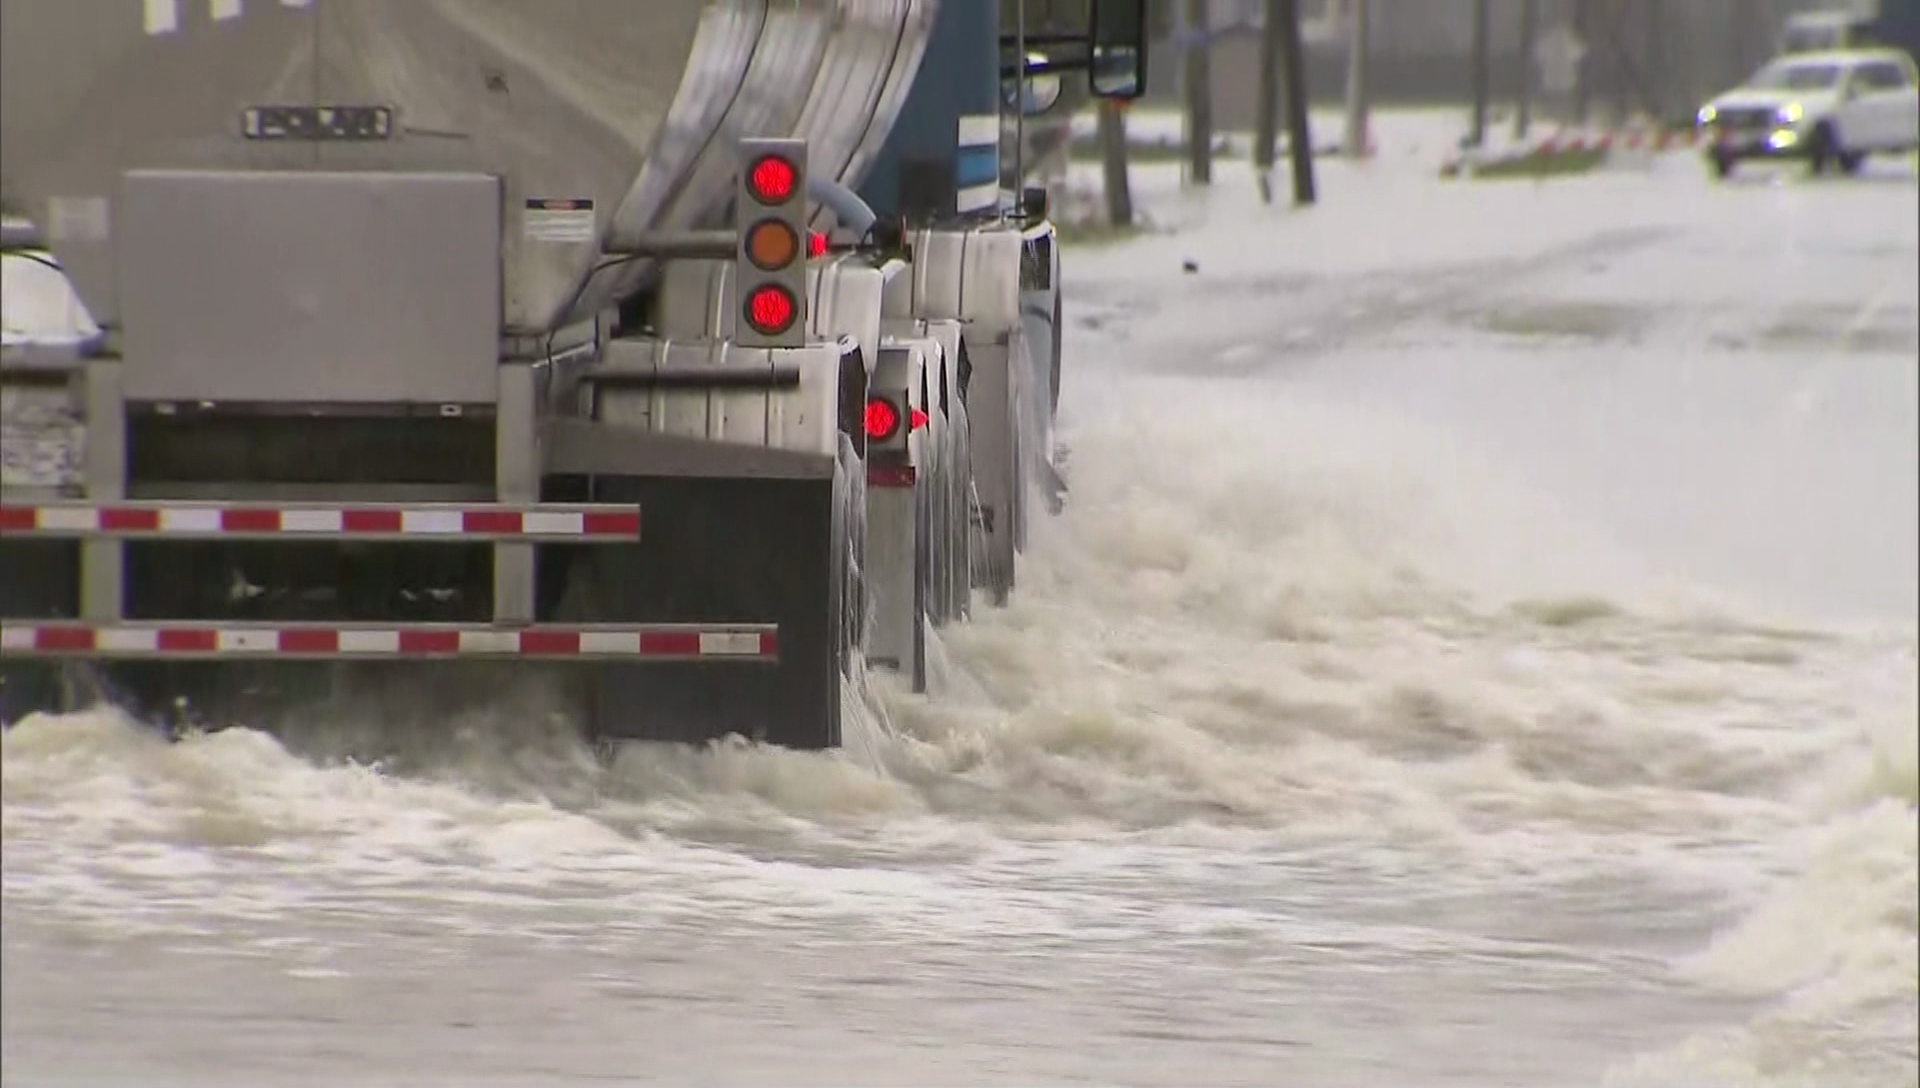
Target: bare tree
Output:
{"points": [[1266, 111]]}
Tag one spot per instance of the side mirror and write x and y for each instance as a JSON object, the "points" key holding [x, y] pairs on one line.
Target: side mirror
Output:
{"points": [[1032, 94], [1117, 48]]}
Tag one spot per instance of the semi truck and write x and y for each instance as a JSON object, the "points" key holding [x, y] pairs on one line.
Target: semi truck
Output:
{"points": [[675, 356]]}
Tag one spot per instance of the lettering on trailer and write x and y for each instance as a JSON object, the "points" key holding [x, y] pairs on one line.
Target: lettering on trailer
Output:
{"points": [[1557, 56], [977, 165], [488, 522], [163, 16], [77, 219], [565, 221], [317, 123], [54, 638]]}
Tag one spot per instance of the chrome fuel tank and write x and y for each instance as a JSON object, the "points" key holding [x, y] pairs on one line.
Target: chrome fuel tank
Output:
{"points": [[605, 118]]}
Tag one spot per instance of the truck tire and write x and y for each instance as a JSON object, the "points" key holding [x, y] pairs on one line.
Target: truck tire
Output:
{"points": [[1722, 164], [1053, 371], [930, 511], [959, 526], [1023, 454], [948, 550], [925, 523], [1000, 562], [849, 525]]}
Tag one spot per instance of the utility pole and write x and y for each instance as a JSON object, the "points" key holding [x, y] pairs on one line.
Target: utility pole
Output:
{"points": [[1653, 94], [1359, 103], [1198, 75], [1583, 81], [1113, 163], [1177, 49], [1293, 57], [1266, 109], [1482, 42], [1523, 96], [1746, 18]]}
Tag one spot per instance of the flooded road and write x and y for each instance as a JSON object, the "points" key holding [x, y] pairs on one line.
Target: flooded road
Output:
{"points": [[1479, 650]]}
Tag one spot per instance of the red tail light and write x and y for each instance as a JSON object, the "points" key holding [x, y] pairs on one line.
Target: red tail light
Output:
{"points": [[770, 309], [772, 179], [883, 419], [919, 419]]}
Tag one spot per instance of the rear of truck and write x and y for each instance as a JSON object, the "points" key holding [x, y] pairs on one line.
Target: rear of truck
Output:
{"points": [[378, 404]]}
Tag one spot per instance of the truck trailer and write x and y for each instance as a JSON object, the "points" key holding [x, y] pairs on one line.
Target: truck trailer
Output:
{"points": [[1866, 24], [673, 355]]}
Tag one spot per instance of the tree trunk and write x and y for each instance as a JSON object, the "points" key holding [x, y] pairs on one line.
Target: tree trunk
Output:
{"points": [[1266, 115], [1198, 74], [1482, 40], [1523, 86], [1299, 134]]}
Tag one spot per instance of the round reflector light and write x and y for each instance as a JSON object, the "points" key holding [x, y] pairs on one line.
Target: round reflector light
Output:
{"points": [[771, 245], [772, 179], [816, 244], [882, 419], [770, 309]]}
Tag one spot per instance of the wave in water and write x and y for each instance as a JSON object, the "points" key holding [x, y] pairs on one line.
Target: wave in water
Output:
{"points": [[1313, 639]]}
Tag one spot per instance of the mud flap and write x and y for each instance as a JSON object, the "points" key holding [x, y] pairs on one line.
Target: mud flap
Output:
{"points": [[898, 576], [722, 550], [28, 687], [1001, 463]]}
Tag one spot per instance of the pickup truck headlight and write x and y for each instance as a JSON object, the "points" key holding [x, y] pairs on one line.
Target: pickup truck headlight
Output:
{"points": [[1790, 113], [1707, 114]]}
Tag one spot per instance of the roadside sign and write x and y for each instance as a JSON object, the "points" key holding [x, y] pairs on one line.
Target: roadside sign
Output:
{"points": [[1557, 56]]}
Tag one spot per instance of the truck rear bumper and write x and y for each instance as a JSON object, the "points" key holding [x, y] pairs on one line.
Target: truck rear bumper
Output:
{"points": [[727, 616]]}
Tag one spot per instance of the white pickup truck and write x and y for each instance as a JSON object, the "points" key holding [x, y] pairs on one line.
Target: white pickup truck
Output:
{"points": [[1831, 109]]}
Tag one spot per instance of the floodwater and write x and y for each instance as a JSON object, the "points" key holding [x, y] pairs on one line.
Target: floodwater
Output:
{"points": [[1479, 650]]}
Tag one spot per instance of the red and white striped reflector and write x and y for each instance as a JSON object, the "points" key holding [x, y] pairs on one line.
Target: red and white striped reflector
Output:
{"points": [[254, 640], [429, 520]]}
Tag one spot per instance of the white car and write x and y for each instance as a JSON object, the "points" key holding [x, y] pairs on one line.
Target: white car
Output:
{"points": [[1832, 109]]}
